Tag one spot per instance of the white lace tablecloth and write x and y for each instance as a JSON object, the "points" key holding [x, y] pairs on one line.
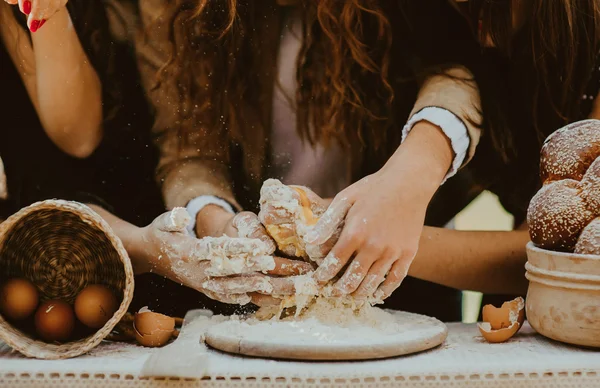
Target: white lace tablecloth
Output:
{"points": [[465, 360]]}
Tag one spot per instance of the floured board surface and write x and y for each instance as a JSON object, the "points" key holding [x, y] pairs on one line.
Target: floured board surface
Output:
{"points": [[301, 340]]}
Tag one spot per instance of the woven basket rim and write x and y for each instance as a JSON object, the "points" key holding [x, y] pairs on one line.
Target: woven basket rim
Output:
{"points": [[39, 349]]}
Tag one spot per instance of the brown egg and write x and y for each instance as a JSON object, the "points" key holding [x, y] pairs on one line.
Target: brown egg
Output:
{"points": [[18, 299], [500, 324], [54, 321], [153, 329], [95, 305]]}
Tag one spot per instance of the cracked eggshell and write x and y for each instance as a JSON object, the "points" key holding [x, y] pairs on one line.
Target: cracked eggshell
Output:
{"points": [[497, 336], [501, 323], [153, 329], [505, 316]]}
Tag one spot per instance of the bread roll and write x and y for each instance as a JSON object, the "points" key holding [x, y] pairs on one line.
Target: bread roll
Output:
{"points": [[590, 187], [568, 152], [570, 196], [589, 241], [557, 215]]}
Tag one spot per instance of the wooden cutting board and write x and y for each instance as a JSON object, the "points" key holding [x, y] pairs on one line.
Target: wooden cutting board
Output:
{"points": [[285, 340]]}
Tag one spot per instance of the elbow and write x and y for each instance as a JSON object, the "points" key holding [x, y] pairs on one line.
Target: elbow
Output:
{"points": [[77, 137], [85, 143], [79, 142], [82, 150]]}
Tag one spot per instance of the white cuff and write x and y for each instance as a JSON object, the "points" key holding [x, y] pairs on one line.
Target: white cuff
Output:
{"points": [[453, 128], [197, 204]]}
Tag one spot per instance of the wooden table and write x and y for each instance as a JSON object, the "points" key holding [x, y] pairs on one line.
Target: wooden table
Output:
{"points": [[465, 360]]}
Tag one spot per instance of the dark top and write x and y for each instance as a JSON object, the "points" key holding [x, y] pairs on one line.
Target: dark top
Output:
{"points": [[119, 174]]}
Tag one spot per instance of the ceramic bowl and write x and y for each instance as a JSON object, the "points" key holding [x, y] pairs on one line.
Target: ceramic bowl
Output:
{"points": [[563, 300]]}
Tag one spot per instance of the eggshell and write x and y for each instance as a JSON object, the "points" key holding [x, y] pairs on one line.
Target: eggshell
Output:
{"points": [[54, 321], [95, 305], [505, 316], [153, 329], [18, 299], [517, 310], [497, 336], [499, 324]]}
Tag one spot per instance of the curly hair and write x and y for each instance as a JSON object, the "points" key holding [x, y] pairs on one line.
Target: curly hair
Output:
{"points": [[345, 86], [342, 69]]}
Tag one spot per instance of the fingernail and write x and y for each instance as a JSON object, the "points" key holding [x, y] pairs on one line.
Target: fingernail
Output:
{"points": [[41, 23], [34, 25], [27, 7]]}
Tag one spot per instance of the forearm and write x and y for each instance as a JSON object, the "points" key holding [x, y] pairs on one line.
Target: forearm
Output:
{"points": [[489, 262], [129, 235], [68, 92]]}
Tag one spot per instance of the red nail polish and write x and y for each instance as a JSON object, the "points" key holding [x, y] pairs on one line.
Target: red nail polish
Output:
{"points": [[41, 23], [27, 7], [34, 25]]}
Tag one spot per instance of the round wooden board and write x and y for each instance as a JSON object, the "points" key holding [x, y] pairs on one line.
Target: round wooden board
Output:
{"points": [[418, 333]]}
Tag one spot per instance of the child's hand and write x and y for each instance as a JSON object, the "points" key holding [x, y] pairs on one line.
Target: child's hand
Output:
{"points": [[247, 225], [214, 221]]}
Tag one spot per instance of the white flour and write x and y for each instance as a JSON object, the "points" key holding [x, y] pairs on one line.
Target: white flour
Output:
{"points": [[221, 265], [327, 320]]}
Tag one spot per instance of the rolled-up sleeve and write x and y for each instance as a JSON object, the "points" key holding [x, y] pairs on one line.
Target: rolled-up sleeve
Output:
{"points": [[456, 92]]}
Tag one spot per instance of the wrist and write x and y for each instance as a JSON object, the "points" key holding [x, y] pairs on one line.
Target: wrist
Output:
{"points": [[211, 221], [425, 157], [134, 244]]}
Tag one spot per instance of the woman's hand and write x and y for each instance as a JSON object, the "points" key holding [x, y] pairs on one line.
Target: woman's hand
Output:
{"points": [[380, 235], [214, 221], [382, 217], [38, 11]]}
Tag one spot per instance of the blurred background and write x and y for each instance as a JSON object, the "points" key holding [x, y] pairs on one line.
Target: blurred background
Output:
{"points": [[485, 213]]}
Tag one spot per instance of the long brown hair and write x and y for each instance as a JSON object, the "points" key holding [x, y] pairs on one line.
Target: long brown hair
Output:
{"points": [[343, 70], [556, 47], [344, 88]]}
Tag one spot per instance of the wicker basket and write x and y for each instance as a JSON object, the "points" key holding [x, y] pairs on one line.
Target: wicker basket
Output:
{"points": [[62, 247]]}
